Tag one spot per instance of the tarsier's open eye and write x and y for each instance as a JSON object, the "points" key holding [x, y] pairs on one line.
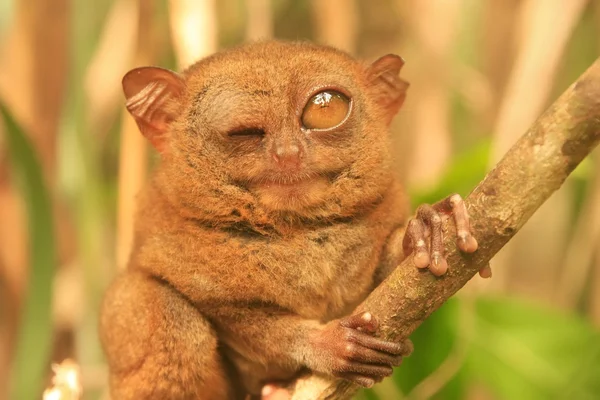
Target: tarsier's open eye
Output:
{"points": [[325, 110]]}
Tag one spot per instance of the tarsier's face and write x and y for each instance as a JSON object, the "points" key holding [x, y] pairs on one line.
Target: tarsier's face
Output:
{"points": [[288, 161], [284, 122], [283, 133]]}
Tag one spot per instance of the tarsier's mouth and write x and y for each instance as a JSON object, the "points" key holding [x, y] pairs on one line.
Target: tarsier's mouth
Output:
{"points": [[294, 181], [287, 181]]}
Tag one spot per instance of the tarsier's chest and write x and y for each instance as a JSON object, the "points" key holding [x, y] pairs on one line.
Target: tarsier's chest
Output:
{"points": [[319, 273], [322, 273]]}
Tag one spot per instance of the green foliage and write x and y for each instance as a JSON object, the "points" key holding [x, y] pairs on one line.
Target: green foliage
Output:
{"points": [[525, 351], [514, 349], [35, 335]]}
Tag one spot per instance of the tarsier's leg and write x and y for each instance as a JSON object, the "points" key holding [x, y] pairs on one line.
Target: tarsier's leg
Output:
{"points": [[158, 345], [423, 237]]}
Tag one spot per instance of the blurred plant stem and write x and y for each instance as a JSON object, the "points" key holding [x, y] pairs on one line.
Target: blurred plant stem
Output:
{"points": [[336, 23], [582, 247], [193, 29], [498, 50], [431, 105], [133, 150], [452, 364], [543, 32], [34, 343], [110, 60], [32, 83], [259, 22], [82, 182], [594, 301]]}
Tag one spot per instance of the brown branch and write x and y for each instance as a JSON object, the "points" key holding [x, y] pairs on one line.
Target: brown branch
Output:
{"points": [[534, 168]]}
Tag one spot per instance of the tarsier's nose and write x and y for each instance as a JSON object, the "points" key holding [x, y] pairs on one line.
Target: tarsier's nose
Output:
{"points": [[287, 153]]}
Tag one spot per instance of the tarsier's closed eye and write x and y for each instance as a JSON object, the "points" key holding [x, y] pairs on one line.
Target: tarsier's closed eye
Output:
{"points": [[325, 110]]}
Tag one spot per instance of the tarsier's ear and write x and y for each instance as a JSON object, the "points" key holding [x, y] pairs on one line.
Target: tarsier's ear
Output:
{"points": [[148, 91], [389, 89]]}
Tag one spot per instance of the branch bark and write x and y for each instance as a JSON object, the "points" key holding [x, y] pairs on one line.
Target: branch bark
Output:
{"points": [[533, 169]]}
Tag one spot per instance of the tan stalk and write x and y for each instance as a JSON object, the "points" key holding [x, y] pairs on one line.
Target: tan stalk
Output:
{"points": [[336, 23], [448, 369], [259, 24], [33, 74], [193, 29], [594, 253], [133, 153], [498, 47], [594, 301], [430, 88], [581, 250], [111, 59], [524, 266]]}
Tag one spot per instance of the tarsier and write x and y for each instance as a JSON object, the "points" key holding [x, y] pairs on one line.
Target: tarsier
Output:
{"points": [[273, 213]]}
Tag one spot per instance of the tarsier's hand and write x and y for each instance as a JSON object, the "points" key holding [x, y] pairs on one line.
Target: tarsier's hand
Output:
{"points": [[346, 348], [423, 237]]}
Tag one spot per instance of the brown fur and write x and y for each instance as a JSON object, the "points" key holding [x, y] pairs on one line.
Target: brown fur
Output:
{"points": [[232, 273]]}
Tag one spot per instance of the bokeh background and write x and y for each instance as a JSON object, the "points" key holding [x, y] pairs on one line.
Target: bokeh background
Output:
{"points": [[481, 71]]}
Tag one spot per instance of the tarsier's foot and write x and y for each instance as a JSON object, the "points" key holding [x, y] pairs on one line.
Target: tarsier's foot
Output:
{"points": [[423, 237], [348, 350]]}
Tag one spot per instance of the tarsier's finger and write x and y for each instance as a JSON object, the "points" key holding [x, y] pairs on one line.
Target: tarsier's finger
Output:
{"points": [[361, 380], [465, 240], [455, 205], [407, 348], [414, 241], [379, 344], [366, 355], [486, 272], [369, 370], [365, 322], [426, 213]]}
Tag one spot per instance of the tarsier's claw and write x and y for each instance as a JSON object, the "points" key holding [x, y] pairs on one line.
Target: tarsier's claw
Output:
{"points": [[423, 237], [438, 265], [466, 242], [485, 272], [421, 259]]}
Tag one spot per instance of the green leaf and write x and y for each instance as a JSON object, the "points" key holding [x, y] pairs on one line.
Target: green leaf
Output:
{"points": [[529, 352], [35, 334], [513, 350]]}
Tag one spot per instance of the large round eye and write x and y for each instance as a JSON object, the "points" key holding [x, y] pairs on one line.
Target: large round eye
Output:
{"points": [[325, 110]]}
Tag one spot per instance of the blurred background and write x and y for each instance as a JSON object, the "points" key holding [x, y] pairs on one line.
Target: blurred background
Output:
{"points": [[481, 71]]}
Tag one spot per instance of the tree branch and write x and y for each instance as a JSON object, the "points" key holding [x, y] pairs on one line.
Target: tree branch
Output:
{"points": [[533, 169]]}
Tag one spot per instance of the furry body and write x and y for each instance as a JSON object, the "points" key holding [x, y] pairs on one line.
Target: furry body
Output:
{"points": [[241, 260]]}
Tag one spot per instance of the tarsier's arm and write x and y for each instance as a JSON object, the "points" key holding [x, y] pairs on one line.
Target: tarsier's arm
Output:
{"points": [[346, 347], [343, 347]]}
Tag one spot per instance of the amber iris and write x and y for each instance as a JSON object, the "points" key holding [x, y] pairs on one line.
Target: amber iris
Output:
{"points": [[325, 110]]}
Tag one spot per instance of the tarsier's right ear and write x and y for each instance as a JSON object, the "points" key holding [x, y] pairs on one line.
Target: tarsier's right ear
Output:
{"points": [[148, 90], [388, 87]]}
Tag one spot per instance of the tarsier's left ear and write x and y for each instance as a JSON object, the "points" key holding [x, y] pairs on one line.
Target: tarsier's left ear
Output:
{"points": [[388, 88], [148, 91]]}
